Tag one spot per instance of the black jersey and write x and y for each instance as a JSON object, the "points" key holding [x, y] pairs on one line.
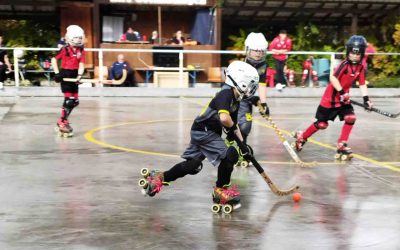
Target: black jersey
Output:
{"points": [[223, 102], [261, 68]]}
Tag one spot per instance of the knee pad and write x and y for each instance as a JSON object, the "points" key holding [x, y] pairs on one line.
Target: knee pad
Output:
{"points": [[321, 124], [193, 166], [69, 103], [232, 155], [76, 102], [350, 119]]}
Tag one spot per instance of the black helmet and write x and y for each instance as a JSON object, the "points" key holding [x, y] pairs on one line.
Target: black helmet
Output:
{"points": [[356, 44]]}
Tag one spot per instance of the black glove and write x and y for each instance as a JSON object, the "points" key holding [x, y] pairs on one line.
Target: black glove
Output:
{"points": [[264, 110], [367, 103], [230, 132], [58, 78], [344, 97], [78, 79], [246, 152], [254, 100]]}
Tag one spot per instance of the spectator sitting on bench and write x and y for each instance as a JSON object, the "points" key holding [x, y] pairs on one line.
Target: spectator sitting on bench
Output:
{"points": [[116, 72]]}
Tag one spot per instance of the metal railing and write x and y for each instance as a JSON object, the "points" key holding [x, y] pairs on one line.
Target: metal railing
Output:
{"points": [[101, 51]]}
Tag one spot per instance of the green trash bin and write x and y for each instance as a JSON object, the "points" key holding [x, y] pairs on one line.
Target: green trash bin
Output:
{"points": [[322, 66]]}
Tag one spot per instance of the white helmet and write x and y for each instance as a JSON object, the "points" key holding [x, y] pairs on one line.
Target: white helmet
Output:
{"points": [[75, 35], [256, 42], [243, 77]]}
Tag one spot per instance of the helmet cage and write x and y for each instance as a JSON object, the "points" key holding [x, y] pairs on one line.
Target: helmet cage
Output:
{"points": [[245, 89]]}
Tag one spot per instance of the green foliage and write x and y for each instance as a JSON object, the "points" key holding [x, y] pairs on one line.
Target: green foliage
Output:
{"points": [[384, 71], [27, 33]]}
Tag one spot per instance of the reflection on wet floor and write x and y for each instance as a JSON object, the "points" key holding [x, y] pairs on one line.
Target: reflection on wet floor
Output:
{"points": [[82, 192]]}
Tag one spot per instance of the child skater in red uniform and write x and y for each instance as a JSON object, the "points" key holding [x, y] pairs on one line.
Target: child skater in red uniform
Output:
{"points": [[336, 99], [72, 58]]}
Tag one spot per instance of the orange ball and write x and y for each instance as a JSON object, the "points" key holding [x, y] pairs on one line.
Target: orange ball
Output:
{"points": [[296, 197]]}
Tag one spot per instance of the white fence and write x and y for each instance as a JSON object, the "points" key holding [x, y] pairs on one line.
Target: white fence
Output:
{"points": [[101, 51]]}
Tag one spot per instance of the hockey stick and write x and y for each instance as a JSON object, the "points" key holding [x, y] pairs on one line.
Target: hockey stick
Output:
{"points": [[111, 82], [381, 112], [266, 178], [285, 143]]}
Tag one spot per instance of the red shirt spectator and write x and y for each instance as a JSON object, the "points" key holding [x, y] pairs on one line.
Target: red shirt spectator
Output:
{"points": [[370, 49], [279, 45]]}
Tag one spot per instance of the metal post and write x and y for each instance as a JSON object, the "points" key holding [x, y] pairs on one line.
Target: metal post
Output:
{"points": [[101, 66], [16, 68], [181, 69]]}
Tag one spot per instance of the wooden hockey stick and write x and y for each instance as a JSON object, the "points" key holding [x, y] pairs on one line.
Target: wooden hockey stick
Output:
{"points": [[260, 170], [97, 81], [285, 143], [381, 112]]}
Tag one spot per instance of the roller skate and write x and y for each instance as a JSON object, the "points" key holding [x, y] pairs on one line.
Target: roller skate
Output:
{"points": [[343, 152], [63, 128], [152, 182], [226, 199], [300, 141]]}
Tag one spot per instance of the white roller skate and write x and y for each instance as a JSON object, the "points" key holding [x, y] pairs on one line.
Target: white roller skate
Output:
{"points": [[343, 152], [152, 182], [226, 199], [300, 141], [64, 129]]}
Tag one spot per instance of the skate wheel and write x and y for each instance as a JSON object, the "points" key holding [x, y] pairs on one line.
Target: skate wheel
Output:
{"points": [[142, 183], [244, 164], [293, 145], [215, 208], [293, 134], [344, 158], [227, 209], [337, 156], [145, 172]]}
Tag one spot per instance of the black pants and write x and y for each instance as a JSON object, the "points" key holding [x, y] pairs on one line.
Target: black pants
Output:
{"points": [[280, 74], [3, 69]]}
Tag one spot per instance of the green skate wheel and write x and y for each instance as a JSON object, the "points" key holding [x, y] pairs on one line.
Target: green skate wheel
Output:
{"points": [[145, 172], [244, 164], [215, 208], [344, 158], [228, 208], [142, 183]]}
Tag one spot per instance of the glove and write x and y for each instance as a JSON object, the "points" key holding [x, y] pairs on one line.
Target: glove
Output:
{"points": [[58, 78], [230, 132], [367, 103], [254, 100], [246, 152], [264, 110], [344, 97], [78, 79]]}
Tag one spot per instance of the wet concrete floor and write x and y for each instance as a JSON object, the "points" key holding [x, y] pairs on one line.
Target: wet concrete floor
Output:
{"points": [[82, 192]]}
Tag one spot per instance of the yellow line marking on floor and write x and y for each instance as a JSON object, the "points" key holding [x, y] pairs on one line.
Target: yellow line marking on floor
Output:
{"points": [[89, 137], [358, 156]]}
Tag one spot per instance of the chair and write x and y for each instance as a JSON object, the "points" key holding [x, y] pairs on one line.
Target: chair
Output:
{"points": [[97, 72], [215, 75]]}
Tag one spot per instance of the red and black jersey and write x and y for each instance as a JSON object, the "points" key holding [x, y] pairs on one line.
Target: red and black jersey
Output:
{"points": [[347, 74], [71, 57]]}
